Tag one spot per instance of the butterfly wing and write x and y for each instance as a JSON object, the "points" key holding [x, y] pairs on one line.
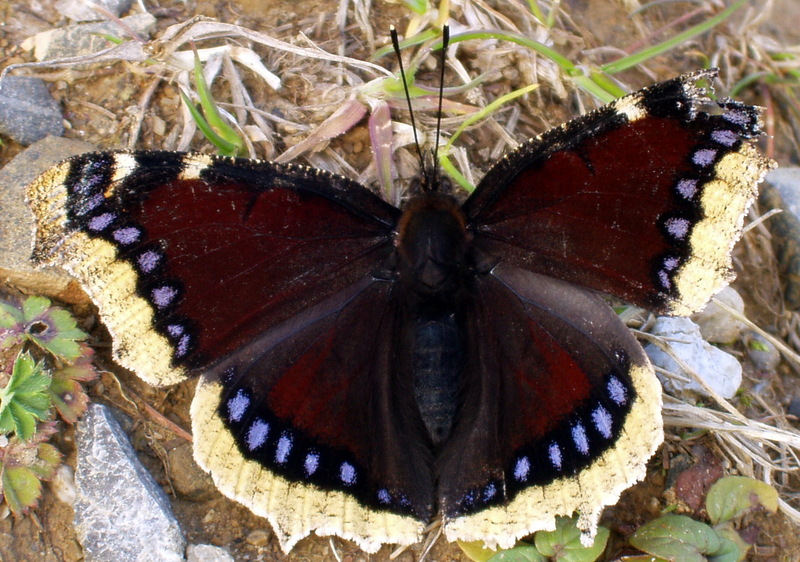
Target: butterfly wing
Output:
{"points": [[189, 257], [313, 425], [561, 410], [642, 198], [274, 281]]}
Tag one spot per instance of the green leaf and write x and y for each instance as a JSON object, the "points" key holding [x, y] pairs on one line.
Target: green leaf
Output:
{"points": [[11, 326], [731, 496], [565, 542], [417, 6], [9, 315], [66, 392], [211, 123], [732, 546], [24, 400], [493, 106], [21, 488], [51, 328], [676, 537], [650, 52], [34, 306], [23, 464], [521, 553], [47, 460], [476, 550], [7, 424]]}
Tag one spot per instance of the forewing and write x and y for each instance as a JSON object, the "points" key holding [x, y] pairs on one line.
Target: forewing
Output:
{"points": [[189, 257], [642, 198], [561, 410]]}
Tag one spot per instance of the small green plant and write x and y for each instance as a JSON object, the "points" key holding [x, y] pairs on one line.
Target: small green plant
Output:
{"points": [[24, 401], [679, 537], [210, 122], [563, 544], [43, 364]]}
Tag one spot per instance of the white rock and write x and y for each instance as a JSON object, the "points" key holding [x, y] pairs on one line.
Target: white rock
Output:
{"points": [[63, 484], [720, 371], [207, 553]]}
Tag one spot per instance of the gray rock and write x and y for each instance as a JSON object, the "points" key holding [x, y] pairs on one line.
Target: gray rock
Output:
{"points": [[78, 11], [717, 325], [121, 513], [781, 190], [794, 407], [762, 353], [16, 220], [720, 371], [85, 38], [787, 182], [27, 111], [207, 553]]}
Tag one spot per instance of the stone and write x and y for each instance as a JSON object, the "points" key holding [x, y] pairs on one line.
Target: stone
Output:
{"points": [[781, 190], [63, 484], [189, 480], [79, 10], [16, 220], [27, 111], [762, 352], [717, 325], [258, 537], [84, 38], [121, 513], [207, 553], [719, 370]]}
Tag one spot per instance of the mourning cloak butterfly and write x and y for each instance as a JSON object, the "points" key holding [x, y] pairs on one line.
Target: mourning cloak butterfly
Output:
{"points": [[366, 367]]}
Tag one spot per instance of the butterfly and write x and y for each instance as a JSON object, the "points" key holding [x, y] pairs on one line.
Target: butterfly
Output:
{"points": [[362, 367]]}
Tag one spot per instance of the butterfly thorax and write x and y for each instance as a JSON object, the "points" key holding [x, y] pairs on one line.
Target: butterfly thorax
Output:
{"points": [[432, 245]]}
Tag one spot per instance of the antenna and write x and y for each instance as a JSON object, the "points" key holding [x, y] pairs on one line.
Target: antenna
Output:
{"points": [[445, 44], [396, 45]]}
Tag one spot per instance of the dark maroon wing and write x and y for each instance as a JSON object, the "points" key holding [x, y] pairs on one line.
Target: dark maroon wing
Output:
{"points": [[190, 257], [561, 409], [313, 424], [642, 198]]}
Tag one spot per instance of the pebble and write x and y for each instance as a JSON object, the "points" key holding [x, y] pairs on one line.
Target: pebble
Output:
{"points": [[28, 112], [207, 553], [188, 479], [720, 371], [259, 537], [717, 325], [781, 190], [63, 484], [762, 352]]}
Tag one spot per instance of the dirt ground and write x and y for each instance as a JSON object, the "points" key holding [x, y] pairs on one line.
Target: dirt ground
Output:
{"points": [[97, 105]]}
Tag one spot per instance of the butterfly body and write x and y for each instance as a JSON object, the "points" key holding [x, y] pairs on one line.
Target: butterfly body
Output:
{"points": [[363, 367]]}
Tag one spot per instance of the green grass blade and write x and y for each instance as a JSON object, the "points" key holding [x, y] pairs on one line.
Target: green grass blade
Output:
{"points": [[225, 147], [483, 113], [540, 48], [645, 54]]}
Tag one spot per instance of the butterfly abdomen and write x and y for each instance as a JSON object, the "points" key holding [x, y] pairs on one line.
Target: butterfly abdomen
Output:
{"points": [[438, 361]]}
